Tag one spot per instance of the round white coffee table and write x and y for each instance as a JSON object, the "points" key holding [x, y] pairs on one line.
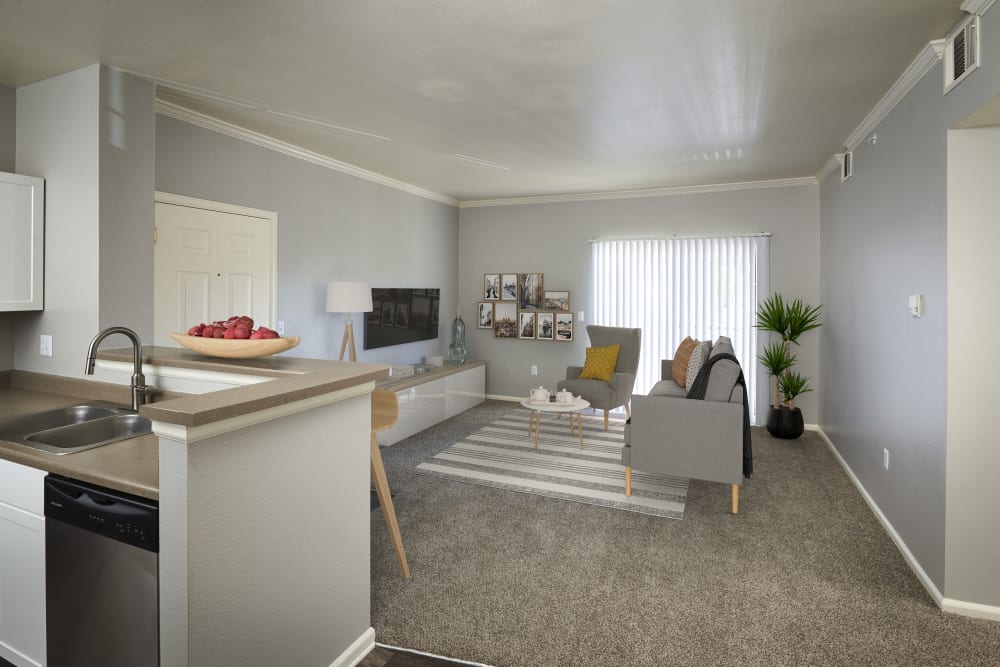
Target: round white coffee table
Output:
{"points": [[573, 408]]}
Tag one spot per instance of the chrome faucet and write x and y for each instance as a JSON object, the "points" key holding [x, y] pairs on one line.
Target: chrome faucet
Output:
{"points": [[138, 381]]}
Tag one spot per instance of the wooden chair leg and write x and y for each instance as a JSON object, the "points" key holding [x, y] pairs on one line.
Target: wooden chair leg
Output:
{"points": [[605, 420], [388, 509], [628, 411], [628, 480], [736, 499]]}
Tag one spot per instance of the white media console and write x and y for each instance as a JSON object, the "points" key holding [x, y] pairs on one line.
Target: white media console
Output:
{"points": [[431, 397]]}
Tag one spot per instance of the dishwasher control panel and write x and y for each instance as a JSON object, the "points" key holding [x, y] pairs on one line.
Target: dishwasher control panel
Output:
{"points": [[121, 516]]}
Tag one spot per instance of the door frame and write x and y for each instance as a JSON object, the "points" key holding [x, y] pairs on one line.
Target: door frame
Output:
{"points": [[222, 207]]}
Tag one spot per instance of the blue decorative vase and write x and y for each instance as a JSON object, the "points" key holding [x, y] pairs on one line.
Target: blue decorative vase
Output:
{"points": [[456, 351]]}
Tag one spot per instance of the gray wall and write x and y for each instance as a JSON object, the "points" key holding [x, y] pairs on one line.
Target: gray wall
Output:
{"points": [[884, 373], [128, 167], [89, 134], [972, 535], [57, 139], [7, 139], [331, 226], [554, 239]]}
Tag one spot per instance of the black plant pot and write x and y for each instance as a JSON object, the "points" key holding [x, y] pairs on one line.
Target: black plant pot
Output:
{"points": [[785, 422]]}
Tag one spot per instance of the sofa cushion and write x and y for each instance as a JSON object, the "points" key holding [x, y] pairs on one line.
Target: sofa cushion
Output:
{"points": [[699, 355], [600, 363], [680, 365], [721, 381], [667, 388], [722, 346]]}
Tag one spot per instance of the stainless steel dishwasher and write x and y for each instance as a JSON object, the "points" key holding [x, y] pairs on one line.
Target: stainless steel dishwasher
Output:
{"points": [[101, 576]]}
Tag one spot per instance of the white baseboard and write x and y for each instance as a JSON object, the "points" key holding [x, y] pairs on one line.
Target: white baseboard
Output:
{"points": [[908, 556], [354, 653], [973, 609]]}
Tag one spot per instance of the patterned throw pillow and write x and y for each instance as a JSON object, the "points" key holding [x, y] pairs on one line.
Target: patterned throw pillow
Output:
{"points": [[680, 365], [600, 363], [697, 359]]}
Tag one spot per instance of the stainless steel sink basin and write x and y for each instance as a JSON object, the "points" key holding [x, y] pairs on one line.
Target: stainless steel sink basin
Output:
{"points": [[74, 429]]}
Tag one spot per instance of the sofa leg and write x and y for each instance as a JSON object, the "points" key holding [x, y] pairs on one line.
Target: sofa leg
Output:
{"points": [[628, 480], [605, 420], [736, 499]]}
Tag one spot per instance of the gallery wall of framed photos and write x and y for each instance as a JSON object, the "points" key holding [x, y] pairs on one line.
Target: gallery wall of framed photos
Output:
{"points": [[517, 306]]}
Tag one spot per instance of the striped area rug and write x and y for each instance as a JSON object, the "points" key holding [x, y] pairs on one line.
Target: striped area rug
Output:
{"points": [[502, 455]]}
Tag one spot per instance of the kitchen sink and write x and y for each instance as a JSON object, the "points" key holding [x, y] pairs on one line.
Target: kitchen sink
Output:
{"points": [[74, 429]]}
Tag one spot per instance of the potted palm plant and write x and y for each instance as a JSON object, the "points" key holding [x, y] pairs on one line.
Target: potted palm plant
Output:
{"points": [[789, 320]]}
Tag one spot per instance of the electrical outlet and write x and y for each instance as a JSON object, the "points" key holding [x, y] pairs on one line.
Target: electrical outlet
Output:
{"points": [[45, 345], [281, 327], [534, 370], [885, 459], [506, 370]]}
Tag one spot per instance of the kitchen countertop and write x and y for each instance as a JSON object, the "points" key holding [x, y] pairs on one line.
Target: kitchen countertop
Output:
{"points": [[132, 465]]}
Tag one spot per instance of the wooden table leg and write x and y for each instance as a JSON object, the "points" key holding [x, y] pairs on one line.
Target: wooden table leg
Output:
{"points": [[579, 426], [538, 423], [388, 509]]}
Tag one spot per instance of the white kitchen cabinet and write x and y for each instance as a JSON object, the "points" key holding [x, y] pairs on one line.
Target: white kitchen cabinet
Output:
{"points": [[22, 239], [22, 565]]}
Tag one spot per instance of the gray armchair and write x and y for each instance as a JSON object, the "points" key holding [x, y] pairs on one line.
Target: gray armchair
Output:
{"points": [[608, 395]]}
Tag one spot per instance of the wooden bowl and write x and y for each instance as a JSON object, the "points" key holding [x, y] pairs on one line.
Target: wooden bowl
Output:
{"points": [[236, 349]]}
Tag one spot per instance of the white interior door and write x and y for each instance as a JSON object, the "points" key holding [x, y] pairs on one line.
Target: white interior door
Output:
{"points": [[211, 261]]}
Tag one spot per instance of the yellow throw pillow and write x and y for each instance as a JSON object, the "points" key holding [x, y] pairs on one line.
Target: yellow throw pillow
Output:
{"points": [[680, 365], [600, 363]]}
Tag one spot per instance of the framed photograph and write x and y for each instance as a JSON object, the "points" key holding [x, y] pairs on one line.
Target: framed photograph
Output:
{"points": [[388, 313], [505, 320], [375, 316], [485, 320], [530, 289], [491, 286], [546, 326], [508, 287], [526, 324], [556, 300], [402, 315], [564, 326]]}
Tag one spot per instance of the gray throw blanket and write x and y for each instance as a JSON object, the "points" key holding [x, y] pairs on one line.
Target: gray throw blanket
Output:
{"points": [[697, 391]]}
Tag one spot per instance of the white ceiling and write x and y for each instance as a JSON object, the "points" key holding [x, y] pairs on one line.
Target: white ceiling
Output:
{"points": [[477, 99]]}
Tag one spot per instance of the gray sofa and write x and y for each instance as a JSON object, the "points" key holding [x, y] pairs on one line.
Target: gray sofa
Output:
{"points": [[698, 439]]}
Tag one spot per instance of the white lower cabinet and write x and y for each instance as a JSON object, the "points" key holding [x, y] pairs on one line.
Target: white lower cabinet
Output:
{"points": [[22, 565], [434, 400]]}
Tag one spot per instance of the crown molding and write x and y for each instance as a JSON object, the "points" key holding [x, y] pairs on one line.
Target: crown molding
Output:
{"points": [[648, 192], [207, 122], [978, 7], [830, 166], [929, 56]]}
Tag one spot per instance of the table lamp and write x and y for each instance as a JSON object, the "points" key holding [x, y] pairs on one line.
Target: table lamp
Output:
{"points": [[348, 297]]}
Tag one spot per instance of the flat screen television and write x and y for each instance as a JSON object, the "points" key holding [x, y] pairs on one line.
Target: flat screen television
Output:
{"points": [[401, 315]]}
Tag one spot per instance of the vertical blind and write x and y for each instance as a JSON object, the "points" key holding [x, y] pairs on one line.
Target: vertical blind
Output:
{"points": [[671, 288]]}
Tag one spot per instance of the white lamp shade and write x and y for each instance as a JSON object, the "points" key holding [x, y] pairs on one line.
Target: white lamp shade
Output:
{"points": [[346, 297]]}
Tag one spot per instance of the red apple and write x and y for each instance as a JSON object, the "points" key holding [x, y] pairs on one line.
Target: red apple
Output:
{"points": [[241, 332], [220, 332], [196, 329], [230, 333], [208, 331], [256, 334]]}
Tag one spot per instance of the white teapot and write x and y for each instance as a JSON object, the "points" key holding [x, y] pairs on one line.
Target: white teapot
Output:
{"points": [[564, 396], [540, 395]]}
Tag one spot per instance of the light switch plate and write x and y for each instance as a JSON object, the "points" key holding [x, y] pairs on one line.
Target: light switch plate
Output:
{"points": [[45, 345]]}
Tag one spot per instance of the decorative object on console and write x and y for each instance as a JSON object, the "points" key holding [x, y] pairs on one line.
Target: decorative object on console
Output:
{"points": [[348, 297], [456, 351], [789, 319]]}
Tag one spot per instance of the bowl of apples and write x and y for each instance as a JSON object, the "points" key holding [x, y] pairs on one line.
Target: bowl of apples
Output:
{"points": [[235, 338]]}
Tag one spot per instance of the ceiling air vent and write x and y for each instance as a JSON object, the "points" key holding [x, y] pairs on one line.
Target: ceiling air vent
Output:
{"points": [[961, 52], [846, 165]]}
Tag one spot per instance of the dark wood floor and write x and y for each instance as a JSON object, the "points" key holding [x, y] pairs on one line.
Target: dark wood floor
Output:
{"points": [[383, 657]]}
